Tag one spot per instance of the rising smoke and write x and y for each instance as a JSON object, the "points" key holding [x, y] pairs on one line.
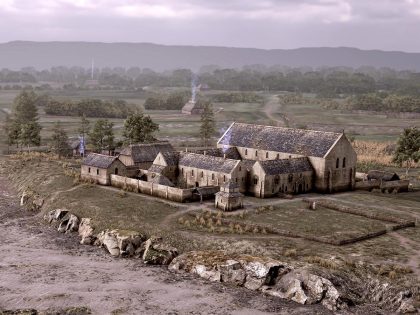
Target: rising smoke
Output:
{"points": [[193, 87]]}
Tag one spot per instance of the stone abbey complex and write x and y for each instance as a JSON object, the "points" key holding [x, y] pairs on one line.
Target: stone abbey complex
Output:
{"points": [[262, 161]]}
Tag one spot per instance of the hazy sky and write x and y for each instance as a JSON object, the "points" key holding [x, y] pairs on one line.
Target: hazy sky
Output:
{"points": [[367, 24]]}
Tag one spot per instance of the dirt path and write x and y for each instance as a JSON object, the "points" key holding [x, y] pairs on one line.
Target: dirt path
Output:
{"points": [[410, 246], [271, 104], [41, 269]]}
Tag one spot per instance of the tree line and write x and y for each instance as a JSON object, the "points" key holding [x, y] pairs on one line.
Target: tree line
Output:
{"points": [[326, 82], [174, 101], [90, 108]]}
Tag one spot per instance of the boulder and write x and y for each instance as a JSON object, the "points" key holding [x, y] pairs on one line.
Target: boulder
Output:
{"points": [[55, 215], [120, 243], [232, 272], [158, 253], [306, 288], [86, 231], [69, 223], [24, 199], [407, 307], [209, 274], [37, 203]]}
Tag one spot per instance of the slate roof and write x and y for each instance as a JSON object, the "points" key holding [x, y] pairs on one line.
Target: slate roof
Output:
{"points": [[279, 139], [286, 166], [99, 160], [231, 153], [156, 168], [207, 162], [171, 157], [248, 164], [229, 194], [146, 152], [230, 185], [162, 180]]}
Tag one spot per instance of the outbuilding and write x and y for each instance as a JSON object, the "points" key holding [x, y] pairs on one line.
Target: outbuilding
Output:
{"points": [[99, 167]]}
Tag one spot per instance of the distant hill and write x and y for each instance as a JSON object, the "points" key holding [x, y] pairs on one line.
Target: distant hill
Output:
{"points": [[43, 55]]}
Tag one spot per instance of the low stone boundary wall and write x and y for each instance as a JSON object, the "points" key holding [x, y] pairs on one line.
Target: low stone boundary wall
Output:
{"points": [[162, 191], [399, 185]]}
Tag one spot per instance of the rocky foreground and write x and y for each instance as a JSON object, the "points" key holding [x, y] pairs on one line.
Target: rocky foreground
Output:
{"points": [[51, 273], [44, 270]]}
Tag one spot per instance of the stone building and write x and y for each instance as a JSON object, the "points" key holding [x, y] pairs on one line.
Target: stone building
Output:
{"points": [[99, 167], [331, 155], [229, 198], [199, 170], [141, 156]]}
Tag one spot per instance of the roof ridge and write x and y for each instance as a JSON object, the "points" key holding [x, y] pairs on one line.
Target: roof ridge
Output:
{"points": [[290, 128]]}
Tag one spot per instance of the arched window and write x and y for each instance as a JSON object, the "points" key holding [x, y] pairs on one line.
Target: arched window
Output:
{"points": [[224, 178], [202, 174], [192, 172], [344, 162], [266, 155], [212, 176], [116, 171], [182, 171], [246, 151], [290, 178], [97, 171], [89, 170], [255, 180], [256, 152], [337, 163], [278, 156], [276, 180]]}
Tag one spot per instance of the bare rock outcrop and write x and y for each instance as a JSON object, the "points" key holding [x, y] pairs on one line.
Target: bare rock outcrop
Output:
{"points": [[55, 216], [156, 252], [86, 231], [69, 223], [119, 242], [256, 273]]}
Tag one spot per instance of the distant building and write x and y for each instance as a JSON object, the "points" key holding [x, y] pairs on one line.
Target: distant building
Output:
{"points": [[99, 167], [193, 107]]}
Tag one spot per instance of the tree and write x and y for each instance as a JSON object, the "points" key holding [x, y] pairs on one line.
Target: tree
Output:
{"points": [[408, 148], [208, 125], [139, 128], [24, 108], [84, 126], [59, 141], [30, 134], [25, 127], [11, 130], [102, 136]]}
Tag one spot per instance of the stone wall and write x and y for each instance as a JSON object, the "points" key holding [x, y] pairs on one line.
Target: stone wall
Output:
{"points": [[162, 191], [398, 185]]}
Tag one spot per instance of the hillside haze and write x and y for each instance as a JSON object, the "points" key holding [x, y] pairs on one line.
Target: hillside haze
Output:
{"points": [[44, 55]]}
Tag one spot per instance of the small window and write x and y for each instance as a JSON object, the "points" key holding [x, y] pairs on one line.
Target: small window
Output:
{"points": [[202, 174], [300, 175], [290, 156], [256, 152], [240, 168], [266, 155], [242, 179], [344, 162], [278, 156], [212, 176], [97, 171], [224, 178], [290, 178], [337, 163], [255, 180], [236, 179], [192, 172], [276, 180], [182, 171], [116, 171], [246, 151], [89, 170], [285, 188]]}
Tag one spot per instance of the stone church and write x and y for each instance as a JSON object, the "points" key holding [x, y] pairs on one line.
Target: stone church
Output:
{"points": [[265, 161]]}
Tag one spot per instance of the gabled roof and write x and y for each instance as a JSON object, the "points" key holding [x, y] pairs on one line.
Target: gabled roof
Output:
{"points": [[99, 160], [171, 157], [162, 180], [156, 168], [279, 139], [286, 166], [207, 162], [146, 152]]}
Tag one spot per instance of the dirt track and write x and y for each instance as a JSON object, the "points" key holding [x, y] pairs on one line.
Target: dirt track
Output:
{"points": [[42, 269]]}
